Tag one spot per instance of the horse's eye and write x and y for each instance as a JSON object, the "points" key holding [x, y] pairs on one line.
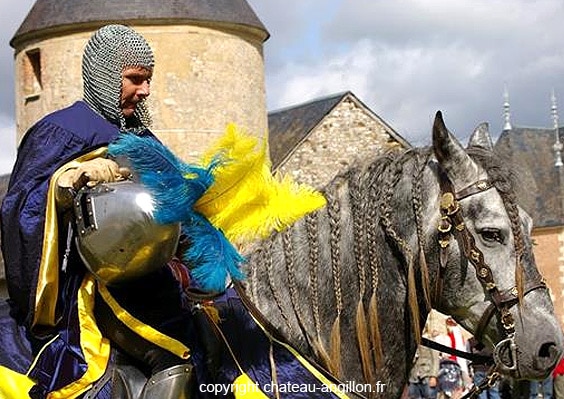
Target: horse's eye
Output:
{"points": [[491, 235]]}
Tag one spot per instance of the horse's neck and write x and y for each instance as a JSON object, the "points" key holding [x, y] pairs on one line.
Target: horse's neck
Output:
{"points": [[308, 282], [297, 279]]}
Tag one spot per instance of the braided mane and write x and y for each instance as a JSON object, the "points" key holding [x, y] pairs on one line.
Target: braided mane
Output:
{"points": [[334, 258]]}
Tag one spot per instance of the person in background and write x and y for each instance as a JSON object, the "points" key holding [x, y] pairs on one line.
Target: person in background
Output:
{"points": [[423, 375], [558, 380], [454, 339], [479, 369], [541, 389], [453, 370]]}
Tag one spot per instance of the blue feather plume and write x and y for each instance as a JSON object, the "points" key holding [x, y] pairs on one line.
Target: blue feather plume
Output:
{"points": [[208, 249], [176, 186]]}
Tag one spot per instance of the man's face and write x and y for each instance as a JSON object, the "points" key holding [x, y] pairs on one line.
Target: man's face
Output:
{"points": [[134, 88]]}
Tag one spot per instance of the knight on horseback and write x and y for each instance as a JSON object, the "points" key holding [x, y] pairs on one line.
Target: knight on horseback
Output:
{"points": [[70, 315], [330, 298]]}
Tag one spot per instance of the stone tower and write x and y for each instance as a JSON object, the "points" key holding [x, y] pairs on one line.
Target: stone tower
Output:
{"points": [[209, 67]]}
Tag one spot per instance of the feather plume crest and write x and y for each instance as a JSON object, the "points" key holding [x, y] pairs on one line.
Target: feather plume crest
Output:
{"points": [[247, 202], [176, 186], [233, 199]]}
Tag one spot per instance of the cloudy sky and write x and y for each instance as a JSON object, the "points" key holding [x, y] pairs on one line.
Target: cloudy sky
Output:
{"points": [[405, 59]]}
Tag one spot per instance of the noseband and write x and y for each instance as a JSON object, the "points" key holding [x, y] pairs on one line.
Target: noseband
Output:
{"points": [[452, 224]]}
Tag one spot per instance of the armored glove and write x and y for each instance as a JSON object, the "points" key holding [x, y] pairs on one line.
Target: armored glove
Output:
{"points": [[88, 173], [92, 172]]}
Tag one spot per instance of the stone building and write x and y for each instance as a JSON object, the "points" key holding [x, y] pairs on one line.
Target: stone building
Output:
{"points": [[209, 64], [314, 141], [536, 155]]}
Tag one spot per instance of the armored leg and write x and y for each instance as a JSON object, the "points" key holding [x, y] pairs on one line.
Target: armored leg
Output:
{"points": [[177, 382], [146, 352], [171, 377]]}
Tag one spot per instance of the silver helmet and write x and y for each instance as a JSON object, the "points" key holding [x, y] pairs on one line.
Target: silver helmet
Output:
{"points": [[118, 238]]}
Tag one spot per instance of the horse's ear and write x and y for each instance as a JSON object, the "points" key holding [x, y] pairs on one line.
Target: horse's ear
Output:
{"points": [[460, 168], [481, 137]]}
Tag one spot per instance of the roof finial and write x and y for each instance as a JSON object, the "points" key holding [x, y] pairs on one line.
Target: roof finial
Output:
{"points": [[506, 113], [557, 147]]}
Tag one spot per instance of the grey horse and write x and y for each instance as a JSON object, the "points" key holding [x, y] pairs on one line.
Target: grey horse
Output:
{"points": [[351, 285]]}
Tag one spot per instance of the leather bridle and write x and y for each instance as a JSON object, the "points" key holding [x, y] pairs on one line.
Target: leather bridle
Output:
{"points": [[452, 225]]}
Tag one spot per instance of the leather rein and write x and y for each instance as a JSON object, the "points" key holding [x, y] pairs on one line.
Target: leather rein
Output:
{"points": [[452, 225]]}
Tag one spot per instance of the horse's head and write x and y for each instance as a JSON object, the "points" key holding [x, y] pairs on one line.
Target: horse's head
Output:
{"points": [[489, 280]]}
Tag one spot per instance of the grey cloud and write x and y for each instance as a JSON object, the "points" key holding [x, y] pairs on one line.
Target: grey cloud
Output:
{"points": [[429, 55], [11, 17]]}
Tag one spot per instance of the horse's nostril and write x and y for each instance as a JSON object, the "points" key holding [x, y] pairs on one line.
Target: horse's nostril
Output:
{"points": [[547, 358], [545, 351]]}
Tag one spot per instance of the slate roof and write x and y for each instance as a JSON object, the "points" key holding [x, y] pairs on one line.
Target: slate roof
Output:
{"points": [[531, 151], [50, 16], [288, 127]]}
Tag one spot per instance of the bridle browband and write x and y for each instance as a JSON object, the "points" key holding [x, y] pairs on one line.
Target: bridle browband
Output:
{"points": [[451, 225]]}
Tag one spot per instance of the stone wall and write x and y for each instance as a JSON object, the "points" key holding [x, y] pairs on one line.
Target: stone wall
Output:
{"points": [[549, 255], [349, 132]]}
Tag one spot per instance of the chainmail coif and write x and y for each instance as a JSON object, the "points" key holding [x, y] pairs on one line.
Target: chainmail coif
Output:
{"points": [[108, 52]]}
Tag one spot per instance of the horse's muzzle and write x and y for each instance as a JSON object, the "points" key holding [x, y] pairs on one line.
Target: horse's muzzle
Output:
{"points": [[506, 357]]}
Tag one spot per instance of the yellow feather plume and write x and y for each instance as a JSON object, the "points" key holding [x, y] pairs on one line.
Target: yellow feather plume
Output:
{"points": [[246, 201]]}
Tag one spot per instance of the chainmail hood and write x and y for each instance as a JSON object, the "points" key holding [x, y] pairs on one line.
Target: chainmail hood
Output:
{"points": [[109, 51]]}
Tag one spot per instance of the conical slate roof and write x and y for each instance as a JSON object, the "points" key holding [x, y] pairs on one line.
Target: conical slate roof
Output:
{"points": [[51, 16]]}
